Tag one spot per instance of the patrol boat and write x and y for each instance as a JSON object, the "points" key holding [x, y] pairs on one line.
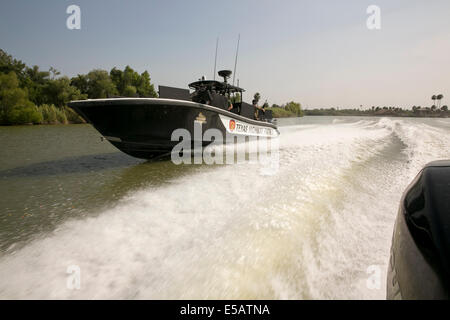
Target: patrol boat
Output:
{"points": [[143, 127]]}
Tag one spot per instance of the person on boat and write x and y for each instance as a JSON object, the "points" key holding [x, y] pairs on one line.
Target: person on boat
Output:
{"points": [[263, 109], [257, 109], [230, 105]]}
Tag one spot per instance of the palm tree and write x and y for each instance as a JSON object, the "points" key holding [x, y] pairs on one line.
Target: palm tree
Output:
{"points": [[433, 98], [439, 98]]}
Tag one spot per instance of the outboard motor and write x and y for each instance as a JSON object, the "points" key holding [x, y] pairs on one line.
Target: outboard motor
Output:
{"points": [[419, 266]]}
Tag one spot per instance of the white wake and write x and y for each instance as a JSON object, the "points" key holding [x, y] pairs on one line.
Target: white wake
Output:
{"points": [[310, 231]]}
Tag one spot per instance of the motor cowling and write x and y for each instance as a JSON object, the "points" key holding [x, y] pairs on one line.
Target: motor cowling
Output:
{"points": [[419, 266]]}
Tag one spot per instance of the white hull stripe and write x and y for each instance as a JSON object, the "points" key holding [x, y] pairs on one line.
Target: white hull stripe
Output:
{"points": [[238, 127]]}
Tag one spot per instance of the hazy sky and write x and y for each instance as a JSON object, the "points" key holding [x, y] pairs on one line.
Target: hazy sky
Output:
{"points": [[317, 52]]}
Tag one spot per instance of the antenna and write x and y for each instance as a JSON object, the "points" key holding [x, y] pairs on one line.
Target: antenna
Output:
{"points": [[215, 59], [235, 61]]}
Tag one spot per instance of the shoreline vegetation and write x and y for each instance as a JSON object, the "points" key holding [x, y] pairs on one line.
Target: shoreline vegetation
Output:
{"points": [[290, 110], [416, 111], [31, 96], [293, 109]]}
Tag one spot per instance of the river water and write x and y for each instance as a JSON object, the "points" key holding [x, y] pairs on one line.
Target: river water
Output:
{"points": [[154, 230]]}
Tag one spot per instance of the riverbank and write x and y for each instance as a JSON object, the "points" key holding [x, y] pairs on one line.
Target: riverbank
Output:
{"points": [[281, 113], [290, 110], [380, 116], [45, 114], [415, 112]]}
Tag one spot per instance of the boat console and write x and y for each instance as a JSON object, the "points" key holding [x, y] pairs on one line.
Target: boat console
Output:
{"points": [[217, 94]]}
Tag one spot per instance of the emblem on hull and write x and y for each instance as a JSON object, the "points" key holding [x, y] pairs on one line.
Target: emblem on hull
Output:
{"points": [[200, 118], [232, 125]]}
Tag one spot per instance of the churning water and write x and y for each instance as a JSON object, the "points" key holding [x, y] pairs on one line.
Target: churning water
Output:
{"points": [[140, 230]]}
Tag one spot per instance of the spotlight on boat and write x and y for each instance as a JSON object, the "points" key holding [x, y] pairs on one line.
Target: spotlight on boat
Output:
{"points": [[225, 74]]}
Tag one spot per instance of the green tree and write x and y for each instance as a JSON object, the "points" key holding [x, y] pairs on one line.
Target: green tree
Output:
{"points": [[10, 94], [117, 78], [144, 86], [129, 91], [130, 77], [35, 82], [295, 108], [81, 82], [100, 84], [15, 108], [37, 76], [59, 92], [8, 64], [53, 72], [127, 78]]}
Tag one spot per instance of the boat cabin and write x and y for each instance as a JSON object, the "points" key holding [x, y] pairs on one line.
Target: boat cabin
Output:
{"points": [[217, 94]]}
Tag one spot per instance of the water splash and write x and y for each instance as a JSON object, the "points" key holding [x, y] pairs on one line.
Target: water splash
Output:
{"points": [[308, 232]]}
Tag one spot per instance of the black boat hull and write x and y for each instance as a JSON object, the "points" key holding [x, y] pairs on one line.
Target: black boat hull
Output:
{"points": [[419, 266], [143, 127]]}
